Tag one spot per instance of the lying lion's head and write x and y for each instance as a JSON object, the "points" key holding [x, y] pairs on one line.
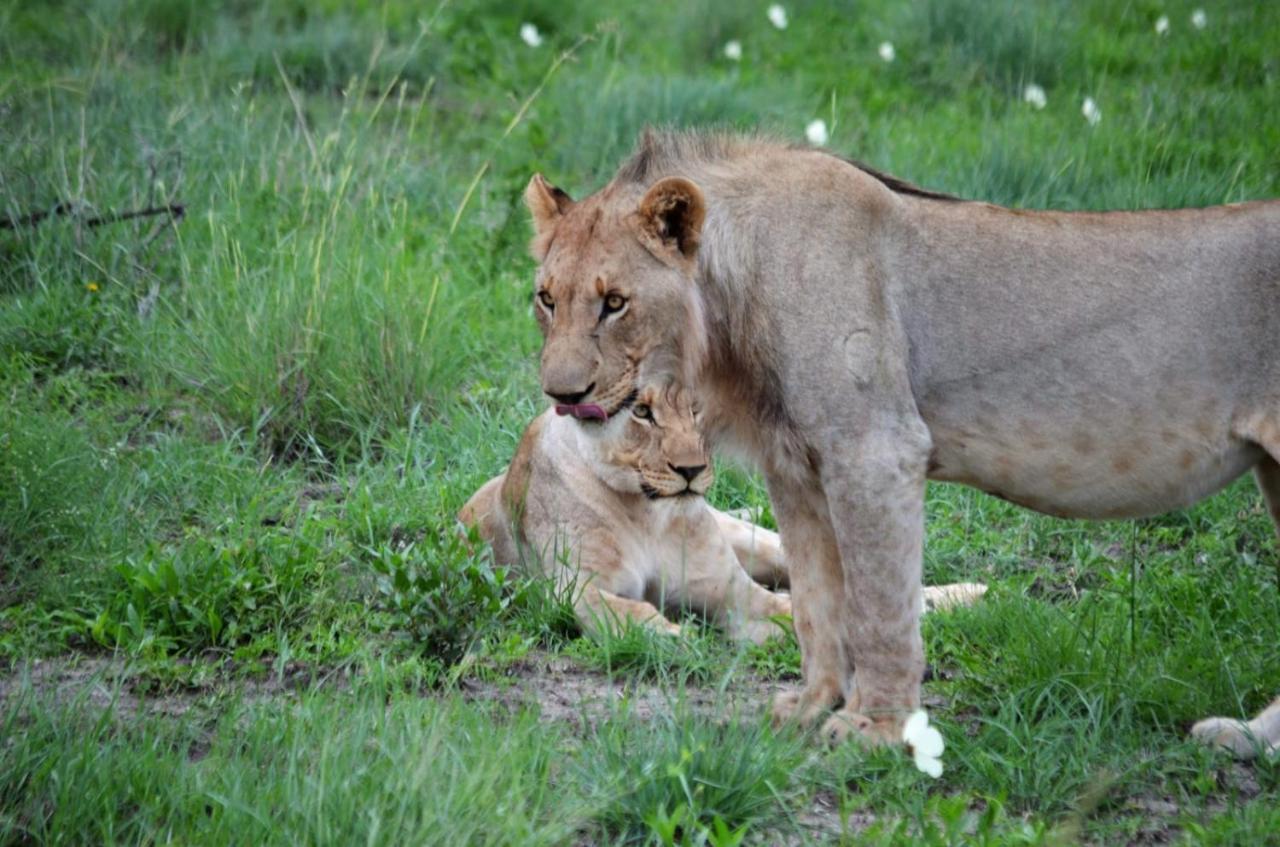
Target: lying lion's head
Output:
{"points": [[614, 288], [655, 447]]}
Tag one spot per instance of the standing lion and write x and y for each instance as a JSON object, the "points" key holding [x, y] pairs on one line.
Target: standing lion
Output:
{"points": [[855, 335]]}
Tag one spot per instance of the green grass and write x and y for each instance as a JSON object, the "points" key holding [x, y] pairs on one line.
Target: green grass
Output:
{"points": [[232, 446], [319, 769]]}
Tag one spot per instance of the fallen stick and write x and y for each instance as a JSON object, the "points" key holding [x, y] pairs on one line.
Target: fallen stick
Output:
{"points": [[174, 210]]}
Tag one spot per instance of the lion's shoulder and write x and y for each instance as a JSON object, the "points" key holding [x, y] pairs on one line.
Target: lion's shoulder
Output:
{"points": [[515, 487]]}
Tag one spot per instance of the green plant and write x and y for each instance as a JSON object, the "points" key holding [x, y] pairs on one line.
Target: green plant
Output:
{"points": [[448, 599], [208, 593], [683, 779]]}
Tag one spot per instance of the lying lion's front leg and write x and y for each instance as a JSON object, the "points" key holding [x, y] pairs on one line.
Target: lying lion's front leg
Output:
{"points": [[710, 579], [1245, 739], [876, 490], [817, 602], [607, 593], [600, 611], [758, 550]]}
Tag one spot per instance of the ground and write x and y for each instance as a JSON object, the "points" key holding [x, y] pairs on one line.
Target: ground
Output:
{"points": [[237, 426]]}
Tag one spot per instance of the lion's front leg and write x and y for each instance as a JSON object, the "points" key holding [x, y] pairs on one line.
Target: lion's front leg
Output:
{"points": [[600, 611], [817, 602], [1245, 739], [758, 550], [708, 578], [713, 583], [875, 487]]}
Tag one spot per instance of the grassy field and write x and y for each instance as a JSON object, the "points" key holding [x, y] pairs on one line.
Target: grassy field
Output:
{"points": [[232, 608]]}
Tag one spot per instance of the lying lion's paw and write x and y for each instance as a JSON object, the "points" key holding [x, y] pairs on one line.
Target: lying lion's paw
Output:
{"points": [[845, 724], [1231, 735], [801, 707], [759, 632], [941, 598], [669, 628], [785, 705]]}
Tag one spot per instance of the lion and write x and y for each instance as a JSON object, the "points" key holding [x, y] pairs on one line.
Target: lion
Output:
{"points": [[614, 511], [855, 335]]}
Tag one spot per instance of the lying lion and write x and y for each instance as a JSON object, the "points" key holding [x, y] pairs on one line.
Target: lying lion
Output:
{"points": [[855, 336], [613, 509]]}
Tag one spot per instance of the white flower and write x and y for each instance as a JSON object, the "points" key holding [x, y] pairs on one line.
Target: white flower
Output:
{"points": [[733, 51], [925, 743], [886, 51], [816, 132], [1091, 112], [1199, 19], [1035, 95], [529, 35], [1162, 25], [778, 16]]}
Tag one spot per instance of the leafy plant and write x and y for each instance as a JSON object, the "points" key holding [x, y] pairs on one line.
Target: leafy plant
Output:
{"points": [[449, 599], [681, 779], [208, 593]]}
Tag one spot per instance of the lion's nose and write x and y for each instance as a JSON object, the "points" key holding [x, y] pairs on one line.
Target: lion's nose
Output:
{"points": [[689, 472], [572, 398]]}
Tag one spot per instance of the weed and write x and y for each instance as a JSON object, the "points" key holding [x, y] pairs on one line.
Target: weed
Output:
{"points": [[683, 779], [208, 594], [448, 599]]}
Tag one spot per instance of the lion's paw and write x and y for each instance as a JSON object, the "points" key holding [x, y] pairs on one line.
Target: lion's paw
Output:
{"points": [[1232, 735], [942, 598], [666, 627], [760, 632], [870, 732], [804, 706]]}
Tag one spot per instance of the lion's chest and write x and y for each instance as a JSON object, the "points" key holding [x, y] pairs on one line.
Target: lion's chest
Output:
{"points": [[663, 545]]}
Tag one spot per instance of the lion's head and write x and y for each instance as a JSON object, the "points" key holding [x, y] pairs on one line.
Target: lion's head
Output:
{"points": [[614, 289], [655, 446]]}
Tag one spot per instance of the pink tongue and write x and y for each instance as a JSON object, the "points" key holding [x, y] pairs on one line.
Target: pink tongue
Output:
{"points": [[583, 411]]}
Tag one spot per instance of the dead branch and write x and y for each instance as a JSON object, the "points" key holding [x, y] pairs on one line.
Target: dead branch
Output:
{"points": [[175, 211]]}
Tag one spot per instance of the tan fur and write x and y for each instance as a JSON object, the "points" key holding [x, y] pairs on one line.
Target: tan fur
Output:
{"points": [[604, 510], [855, 335], [1243, 738]]}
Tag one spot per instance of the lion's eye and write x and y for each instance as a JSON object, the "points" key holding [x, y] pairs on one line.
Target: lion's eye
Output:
{"points": [[545, 298], [614, 303], [643, 412]]}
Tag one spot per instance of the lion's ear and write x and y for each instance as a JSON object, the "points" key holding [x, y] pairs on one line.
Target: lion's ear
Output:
{"points": [[547, 204], [671, 216]]}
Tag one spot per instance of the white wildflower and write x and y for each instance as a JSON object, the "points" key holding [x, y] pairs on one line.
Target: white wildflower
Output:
{"points": [[733, 51], [1199, 19], [529, 35], [886, 51], [816, 132], [1091, 112], [924, 742], [1035, 95], [778, 16], [1162, 25]]}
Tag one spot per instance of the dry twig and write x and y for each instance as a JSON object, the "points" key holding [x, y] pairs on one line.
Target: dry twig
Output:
{"points": [[175, 211]]}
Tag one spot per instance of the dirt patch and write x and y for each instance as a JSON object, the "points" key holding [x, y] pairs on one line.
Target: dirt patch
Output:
{"points": [[107, 682], [559, 689], [66, 679], [562, 691]]}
